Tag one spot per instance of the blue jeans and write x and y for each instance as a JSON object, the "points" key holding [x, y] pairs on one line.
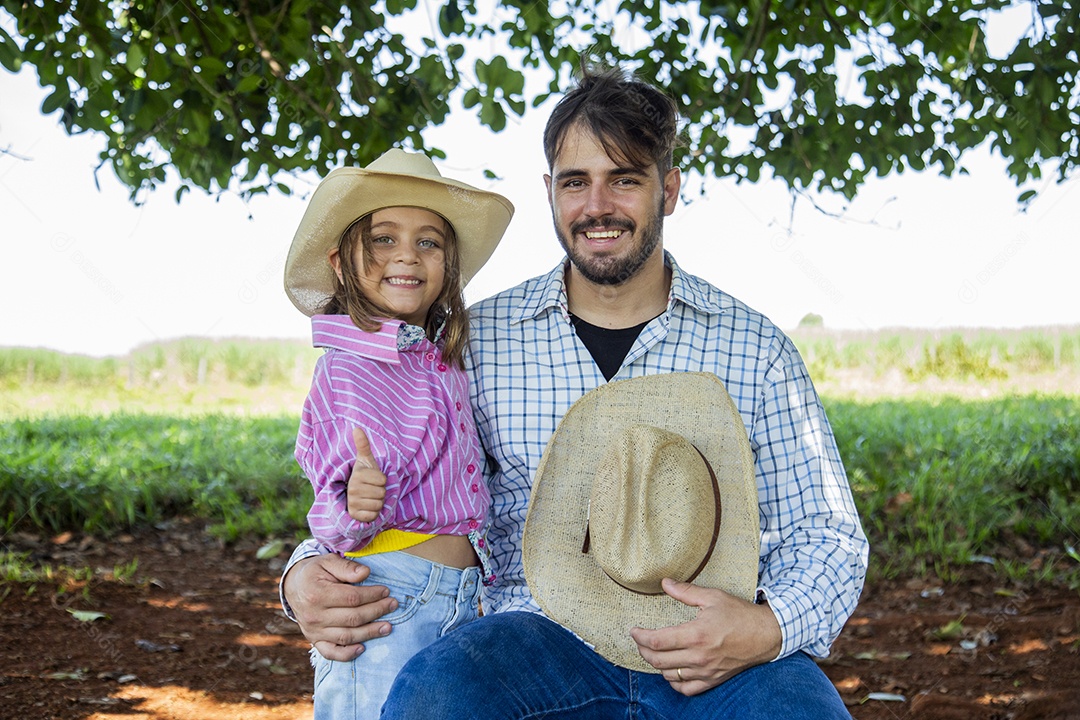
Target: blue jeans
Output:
{"points": [[432, 600], [522, 666]]}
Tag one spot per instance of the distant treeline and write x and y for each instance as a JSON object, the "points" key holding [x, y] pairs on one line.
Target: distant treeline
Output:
{"points": [[190, 361], [976, 354], [918, 354]]}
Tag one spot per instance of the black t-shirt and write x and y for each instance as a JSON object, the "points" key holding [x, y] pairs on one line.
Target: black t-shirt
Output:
{"points": [[608, 347]]}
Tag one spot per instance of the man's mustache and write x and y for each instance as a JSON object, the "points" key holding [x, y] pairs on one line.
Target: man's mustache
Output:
{"points": [[609, 224]]}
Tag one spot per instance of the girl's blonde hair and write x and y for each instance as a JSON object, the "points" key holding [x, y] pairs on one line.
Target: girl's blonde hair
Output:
{"points": [[349, 299]]}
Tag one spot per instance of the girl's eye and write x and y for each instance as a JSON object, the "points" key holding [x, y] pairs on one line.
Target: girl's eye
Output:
{"points": [[382, 240], [428, 244]]}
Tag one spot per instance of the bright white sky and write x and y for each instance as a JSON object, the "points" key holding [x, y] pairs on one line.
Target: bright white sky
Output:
{"points": [[82, 270]]}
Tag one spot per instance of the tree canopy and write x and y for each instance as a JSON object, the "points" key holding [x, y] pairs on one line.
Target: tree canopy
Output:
{"points": [[821, 93]]}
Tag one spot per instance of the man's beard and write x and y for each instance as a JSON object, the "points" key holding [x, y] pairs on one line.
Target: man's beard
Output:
{"points": [[615, 270]]}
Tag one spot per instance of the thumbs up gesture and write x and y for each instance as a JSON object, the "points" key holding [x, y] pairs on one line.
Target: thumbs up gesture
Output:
{"points": [[367, 484]]}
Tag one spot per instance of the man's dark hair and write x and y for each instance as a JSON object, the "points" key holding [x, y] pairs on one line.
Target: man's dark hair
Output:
{"points": [[636, 123]]}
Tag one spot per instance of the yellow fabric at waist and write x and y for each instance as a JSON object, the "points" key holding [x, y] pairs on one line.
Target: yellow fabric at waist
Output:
{"points": [[389, 540]]}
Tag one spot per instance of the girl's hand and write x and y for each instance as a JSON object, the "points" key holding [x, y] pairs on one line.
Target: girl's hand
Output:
{"points": [[367, 484]]}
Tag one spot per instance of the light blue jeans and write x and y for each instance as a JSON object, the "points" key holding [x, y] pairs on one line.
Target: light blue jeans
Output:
{"points": [[433, 599], [522, 666]]}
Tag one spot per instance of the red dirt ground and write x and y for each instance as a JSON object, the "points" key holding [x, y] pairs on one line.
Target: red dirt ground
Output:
{"points": [[196, 633]]}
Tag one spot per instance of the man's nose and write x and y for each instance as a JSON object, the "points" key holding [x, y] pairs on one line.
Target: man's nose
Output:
{"points": [[600, 201]]}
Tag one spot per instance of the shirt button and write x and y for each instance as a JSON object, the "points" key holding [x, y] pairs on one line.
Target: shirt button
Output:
{"points": [[470, 468], [475, 487], [473, 524], [462, 427], [458, 406], [430, 357], [442, 368]]}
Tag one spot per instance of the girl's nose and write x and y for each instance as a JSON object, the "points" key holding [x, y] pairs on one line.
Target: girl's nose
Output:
{"points": [[406, 253]]}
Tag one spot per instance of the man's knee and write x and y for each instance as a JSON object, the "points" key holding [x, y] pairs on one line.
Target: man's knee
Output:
{"points": [[441, 677]]}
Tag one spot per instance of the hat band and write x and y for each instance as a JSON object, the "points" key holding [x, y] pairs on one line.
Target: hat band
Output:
{"points": [[712, 543]]}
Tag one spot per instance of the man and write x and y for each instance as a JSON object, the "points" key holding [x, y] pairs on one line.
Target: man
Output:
{"points": [[618, 308]]}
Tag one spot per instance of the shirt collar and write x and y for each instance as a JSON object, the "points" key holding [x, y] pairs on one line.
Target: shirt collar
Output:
{"points": [[693, 291], [337, 332], [550, 292]]}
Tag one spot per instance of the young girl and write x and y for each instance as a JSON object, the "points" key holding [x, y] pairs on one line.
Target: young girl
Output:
{"points": [[387, 437]]}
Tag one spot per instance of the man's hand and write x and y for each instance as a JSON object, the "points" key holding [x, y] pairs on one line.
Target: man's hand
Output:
{"points": [[727, 636], [333, 614], [367, 484]]}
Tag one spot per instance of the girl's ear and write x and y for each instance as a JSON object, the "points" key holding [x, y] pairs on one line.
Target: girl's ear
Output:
{"points": [[335, 262]]}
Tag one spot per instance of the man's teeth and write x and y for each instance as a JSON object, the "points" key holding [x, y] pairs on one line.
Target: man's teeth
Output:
{"points": [[602, 234], [402, 281]]}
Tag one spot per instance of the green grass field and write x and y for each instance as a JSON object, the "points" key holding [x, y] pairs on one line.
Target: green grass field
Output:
{"points": [[206, 429]]}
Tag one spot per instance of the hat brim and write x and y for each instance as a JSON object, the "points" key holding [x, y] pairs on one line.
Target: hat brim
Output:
{"points": [[479, 219], [570, 587]]}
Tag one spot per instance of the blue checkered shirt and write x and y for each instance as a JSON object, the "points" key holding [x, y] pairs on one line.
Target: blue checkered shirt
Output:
{"points": [[528, 367]]}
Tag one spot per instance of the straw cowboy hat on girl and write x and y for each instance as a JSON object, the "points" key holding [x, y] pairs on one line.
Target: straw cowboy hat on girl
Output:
{"points": [[396, 178], [643, 479]]}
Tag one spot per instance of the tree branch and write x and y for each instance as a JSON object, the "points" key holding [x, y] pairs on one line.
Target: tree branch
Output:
{"points": [[7, 151], [275, 66]]}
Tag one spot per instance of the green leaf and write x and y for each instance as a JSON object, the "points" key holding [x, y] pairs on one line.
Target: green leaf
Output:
{"points": [[158, 67], [87, 615], [135, 58], [397, 7], [727, 69], [493, 115], [274, 547], [451, 21], [248, 84], [950, 630], [56, 100], [10, 55], [482, 72], [200, 125], [211, 68]]}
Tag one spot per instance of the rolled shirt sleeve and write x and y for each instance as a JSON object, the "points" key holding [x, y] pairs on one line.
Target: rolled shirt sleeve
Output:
{"points": [[307, 549], [814, 552]]}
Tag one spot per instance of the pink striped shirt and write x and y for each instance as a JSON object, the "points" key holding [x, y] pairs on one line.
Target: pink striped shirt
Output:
{"points": [[416, 413]]}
